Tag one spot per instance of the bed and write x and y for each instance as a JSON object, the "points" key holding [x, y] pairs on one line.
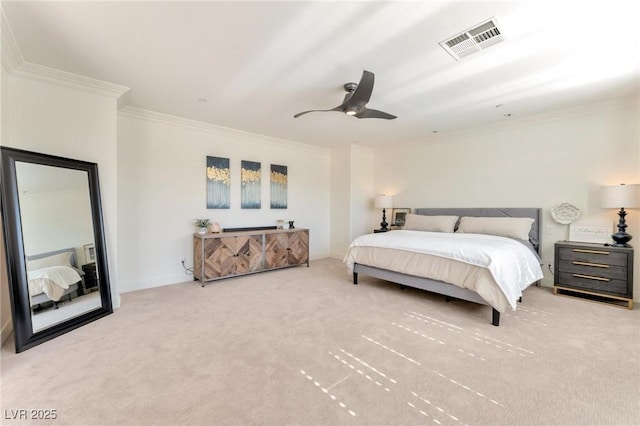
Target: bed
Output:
{"points": [[53, 276], [492, 256]]}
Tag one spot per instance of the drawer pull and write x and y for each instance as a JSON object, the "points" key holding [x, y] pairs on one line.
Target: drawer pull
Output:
{"points": [[596, 265], [590, 251], [591, 277]]}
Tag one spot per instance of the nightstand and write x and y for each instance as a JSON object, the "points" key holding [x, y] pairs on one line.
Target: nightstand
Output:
{"points": [[90, 276], [595, 270]]}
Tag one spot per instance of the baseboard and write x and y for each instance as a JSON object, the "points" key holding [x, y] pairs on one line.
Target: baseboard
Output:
{"points": [[7, 329], [337, 255], [128, 286], [318, 256]]}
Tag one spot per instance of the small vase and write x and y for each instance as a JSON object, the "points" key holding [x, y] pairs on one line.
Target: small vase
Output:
{"points": [[202, 230], [291, 224]]}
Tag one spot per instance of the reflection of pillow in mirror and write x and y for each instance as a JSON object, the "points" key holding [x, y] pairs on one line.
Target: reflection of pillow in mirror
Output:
{"points": [[513, 227], [418, 222], [61, 259]]}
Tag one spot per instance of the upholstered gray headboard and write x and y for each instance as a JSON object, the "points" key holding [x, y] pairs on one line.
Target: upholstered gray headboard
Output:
{"points": [[534, 213], [72, 259]]}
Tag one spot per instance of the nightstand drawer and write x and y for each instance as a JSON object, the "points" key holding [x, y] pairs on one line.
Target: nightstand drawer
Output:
{"points": [[593, 269], [593, 282], [597, 256]]}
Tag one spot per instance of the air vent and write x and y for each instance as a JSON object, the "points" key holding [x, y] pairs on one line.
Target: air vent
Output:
{"points": [[474, 39]]}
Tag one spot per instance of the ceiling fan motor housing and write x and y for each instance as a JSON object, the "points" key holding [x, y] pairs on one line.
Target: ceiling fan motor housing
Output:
{"points": [[350, 87]]}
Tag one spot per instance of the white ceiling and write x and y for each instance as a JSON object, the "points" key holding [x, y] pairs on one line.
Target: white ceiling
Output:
{"points": [[259, 63]]}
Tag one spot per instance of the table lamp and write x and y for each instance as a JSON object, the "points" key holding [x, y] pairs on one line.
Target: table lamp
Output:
{"points": [[384, 202], [620, 196]]}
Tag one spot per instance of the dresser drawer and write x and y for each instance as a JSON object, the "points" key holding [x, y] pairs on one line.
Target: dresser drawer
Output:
{"points": [[597, 256], [591, 282], [593, 269]]}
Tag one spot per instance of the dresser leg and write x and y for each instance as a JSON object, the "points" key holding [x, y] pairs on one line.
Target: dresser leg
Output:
{"points": [[355, 278]]}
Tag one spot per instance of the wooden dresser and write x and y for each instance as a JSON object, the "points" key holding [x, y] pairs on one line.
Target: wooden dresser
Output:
{"points": [[594, 269], [227, 254]]}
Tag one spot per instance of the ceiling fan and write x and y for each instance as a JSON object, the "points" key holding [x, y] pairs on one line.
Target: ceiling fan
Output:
{"points": [[355, 101]]}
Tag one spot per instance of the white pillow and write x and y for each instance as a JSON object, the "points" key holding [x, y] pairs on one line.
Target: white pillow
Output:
{"points": [[60, 259], [418, 222], [512, 227]]}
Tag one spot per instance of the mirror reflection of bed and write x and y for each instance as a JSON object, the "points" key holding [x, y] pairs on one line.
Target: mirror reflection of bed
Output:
{"points": [[58, 288], [59, 248]]}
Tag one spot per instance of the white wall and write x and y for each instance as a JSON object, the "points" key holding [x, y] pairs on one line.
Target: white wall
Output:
{"points": [[351, 195], [71, 227], [5, 303], [340, 212], [362, 190], [60, 120], [162, 188], [541, 162]]}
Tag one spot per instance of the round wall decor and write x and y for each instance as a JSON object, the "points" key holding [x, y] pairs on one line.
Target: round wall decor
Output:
{"points": [[565, 213]]}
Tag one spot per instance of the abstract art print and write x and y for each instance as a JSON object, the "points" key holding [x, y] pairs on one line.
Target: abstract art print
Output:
{"points": [[250, 178], [218, 183], [278, 187]]}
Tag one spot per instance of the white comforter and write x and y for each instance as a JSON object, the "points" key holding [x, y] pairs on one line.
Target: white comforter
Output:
{"points": [[511, 264], [52, 281]]}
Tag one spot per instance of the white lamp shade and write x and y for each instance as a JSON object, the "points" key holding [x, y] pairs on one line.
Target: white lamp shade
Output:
{"points": [[384, 201], [620, 196]]}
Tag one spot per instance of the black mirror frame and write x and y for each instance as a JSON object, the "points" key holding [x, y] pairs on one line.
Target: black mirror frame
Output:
{"points": [[24, 336]]}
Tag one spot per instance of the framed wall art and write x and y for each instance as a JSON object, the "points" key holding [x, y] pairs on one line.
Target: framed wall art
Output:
{"points": [[398, 216], [279, 186], [591, 232], [218, 183], [89, 253], [250, 177]]}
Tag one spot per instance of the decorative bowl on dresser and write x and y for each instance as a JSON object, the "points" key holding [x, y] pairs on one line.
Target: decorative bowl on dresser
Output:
{"points": [[228, 254], [595, 270]]}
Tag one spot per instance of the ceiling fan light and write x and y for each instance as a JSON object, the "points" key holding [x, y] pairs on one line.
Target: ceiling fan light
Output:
{"points": [[351, 111]]}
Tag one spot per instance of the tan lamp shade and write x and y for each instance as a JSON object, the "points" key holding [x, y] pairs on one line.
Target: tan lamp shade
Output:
{"points": [[620, 196], [384, 201]]}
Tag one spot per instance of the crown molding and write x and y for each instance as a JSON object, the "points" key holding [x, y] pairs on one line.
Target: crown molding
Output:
{"points": [[613, 104], [75, 81], [14, 63], [10, 52], [172, 120]]}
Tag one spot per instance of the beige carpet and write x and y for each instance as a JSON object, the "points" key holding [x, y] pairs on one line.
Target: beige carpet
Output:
{"points": [[304, 346]]}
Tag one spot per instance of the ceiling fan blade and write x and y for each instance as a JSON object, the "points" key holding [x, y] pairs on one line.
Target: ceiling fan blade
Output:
{"points": [[374, 113], [338, 108], [362, 94], [355, 101]]}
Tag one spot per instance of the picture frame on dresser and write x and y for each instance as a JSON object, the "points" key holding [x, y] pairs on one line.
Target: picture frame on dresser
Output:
{"points": [[399, 215]]}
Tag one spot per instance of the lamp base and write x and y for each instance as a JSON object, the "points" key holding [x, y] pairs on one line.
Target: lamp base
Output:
{"points": [[621, 239], [384, 224]]}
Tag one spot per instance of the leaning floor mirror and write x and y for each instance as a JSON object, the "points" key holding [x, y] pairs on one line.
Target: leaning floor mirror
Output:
{"points": [[55, 246]]}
